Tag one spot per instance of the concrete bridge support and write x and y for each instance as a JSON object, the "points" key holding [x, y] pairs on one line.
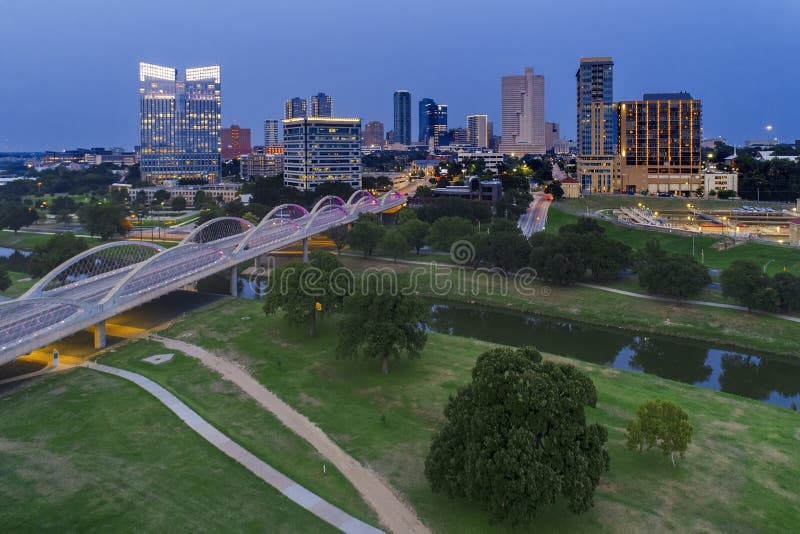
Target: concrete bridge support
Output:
{"points": [[305, 250], [100, 335], [234, 281]]}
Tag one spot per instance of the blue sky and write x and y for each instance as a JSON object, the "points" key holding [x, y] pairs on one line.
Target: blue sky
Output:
{"points": [[70, 68]]}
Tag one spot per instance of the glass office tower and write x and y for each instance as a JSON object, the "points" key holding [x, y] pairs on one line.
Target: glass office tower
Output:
{"points": [[402, 117], [596, 124], [179, 123], [320, 105]]}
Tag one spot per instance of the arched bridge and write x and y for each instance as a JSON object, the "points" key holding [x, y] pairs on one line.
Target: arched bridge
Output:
{"points": [[114, 277]]}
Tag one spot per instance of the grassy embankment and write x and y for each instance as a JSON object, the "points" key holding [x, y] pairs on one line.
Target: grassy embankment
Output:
{"points": [[739, 473], [84, 451]]}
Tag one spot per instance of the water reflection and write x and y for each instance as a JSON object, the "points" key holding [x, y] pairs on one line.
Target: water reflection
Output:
{"points": [[769, 378]]}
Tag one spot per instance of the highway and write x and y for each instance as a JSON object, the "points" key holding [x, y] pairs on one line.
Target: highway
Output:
{"points": [[535, 217]]}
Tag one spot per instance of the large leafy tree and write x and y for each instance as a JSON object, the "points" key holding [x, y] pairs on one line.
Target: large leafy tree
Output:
{"points": [[415, 232], [338, 234], [674, 275], [788, 287], [663, 424], [446, 230], [383, 325], [55, 251], [304, 290], [5, 280], [743, 281], [365, 234], [104, 220], [515, 439], [13, 215], [394, 244]]}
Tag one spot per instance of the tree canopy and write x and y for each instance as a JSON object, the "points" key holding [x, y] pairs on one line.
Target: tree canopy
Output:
{"points": [[673, 275], [662, 424], [515, 439], [55, 251], [104, 219], [365, 234]]}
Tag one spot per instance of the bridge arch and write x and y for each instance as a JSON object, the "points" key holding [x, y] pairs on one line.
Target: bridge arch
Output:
{"points": [[277, 224], [356, 197], [330, 200], [102, 260], [216, 229], [392, 196], [327, 215], [286, 211]]}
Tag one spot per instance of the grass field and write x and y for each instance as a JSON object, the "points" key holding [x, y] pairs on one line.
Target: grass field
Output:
{"points": [[238, 416], [716, 259], [28, 240], [82, 451], [739, 474], [18, 288]]}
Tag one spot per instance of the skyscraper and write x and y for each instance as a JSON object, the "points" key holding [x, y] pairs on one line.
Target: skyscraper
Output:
{"points": [[402, 117], [427, 117], [552, 133], [321, 149], [294, 108], [235, 142], [478, 130], [270, 133], [373, 134], [320, 105], [439, 125], [596, 124], [179, 121], [522, 114]]}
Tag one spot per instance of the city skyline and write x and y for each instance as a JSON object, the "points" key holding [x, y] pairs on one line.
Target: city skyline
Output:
{"points": [[102, 114]]}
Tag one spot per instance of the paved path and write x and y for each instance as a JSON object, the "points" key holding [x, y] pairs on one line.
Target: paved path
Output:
{"points": [[393, 513], [294, 491]]}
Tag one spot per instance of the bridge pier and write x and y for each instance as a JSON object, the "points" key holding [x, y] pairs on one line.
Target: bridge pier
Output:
{"points": [[234, 281], [100, 335], [305, 250]]}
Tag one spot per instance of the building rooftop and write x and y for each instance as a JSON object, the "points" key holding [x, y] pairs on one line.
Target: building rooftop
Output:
{"points": [[667, 96], [596, 60], [569, 180]]}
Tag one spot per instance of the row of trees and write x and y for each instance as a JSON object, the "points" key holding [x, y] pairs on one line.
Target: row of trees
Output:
{"points": [[746, 282]]}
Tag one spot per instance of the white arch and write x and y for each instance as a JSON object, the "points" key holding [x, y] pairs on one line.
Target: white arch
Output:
{"points": [[277, 209], [266, 221], [356, 197], [37, 289], [391, 196], [247, 225], [324, 202], [324, 211]]}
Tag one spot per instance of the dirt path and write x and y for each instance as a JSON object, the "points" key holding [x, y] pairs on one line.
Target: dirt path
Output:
{"points": [[393, 513]]}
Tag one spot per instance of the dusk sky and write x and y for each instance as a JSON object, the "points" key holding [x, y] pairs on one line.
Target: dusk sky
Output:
{"points": [[70, 68]]}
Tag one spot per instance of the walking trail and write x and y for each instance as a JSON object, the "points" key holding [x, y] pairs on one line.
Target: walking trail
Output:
{"points": [[393, 513], [289, 488]]}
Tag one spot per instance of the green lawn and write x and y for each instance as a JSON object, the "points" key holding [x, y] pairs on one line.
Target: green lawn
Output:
{"points": [[239, 417], [714, 258], [83, 451], [739, 474], [18, 288], [28, 240]]}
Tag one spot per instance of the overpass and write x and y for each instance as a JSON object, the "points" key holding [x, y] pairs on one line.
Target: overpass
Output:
{"points": [[109, 279]]}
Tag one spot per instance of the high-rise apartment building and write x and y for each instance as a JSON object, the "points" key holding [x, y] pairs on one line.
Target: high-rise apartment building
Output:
{"points": [[320, 105], [552, 133], [478, 130], [295, 108], [402, 117], [427, 118], [522, 114], [235, 142], [270, 133], [659, 144], [373, 134], [439, 125], [321, 149], [596, 124], [179, 119]]}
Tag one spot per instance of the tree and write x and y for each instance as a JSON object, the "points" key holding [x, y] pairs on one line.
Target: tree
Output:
{"points": [[160, 196], [516, 437], [208, 213], [663, 424], [788, 287], [447, 230], [299, 289], [365, 234], [554, 188], [13, 215], [55, 251], [5, 280], [423, 191], [741, 281], [62, 207], [394, 244], [415, 232], [104, 220], [338, 234], [178, 203], [382, 324], [675, 275]]}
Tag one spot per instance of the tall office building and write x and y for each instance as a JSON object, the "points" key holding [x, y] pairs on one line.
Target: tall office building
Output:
{"points": [[294, 108], [427, 118], [440, 125], [373, 134], [478, 130], [552, 133], [235, 142], [402, 117], [596, 124], [179, 121], [522, 114], [659, 144], [321, 149], [320, 105], [270, 133]]}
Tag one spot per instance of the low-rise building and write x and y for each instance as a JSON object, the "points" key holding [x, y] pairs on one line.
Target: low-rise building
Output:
{"points": [[717, 181], [223, 192], [490, 159], [475, 189], [428, 166], [571, 187], [259, 164]]}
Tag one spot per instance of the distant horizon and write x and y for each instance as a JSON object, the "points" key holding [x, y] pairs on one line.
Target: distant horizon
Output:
{"points": [[76, 88]]}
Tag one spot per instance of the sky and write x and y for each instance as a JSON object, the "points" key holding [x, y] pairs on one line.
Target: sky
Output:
{"points": [[70, 69]]}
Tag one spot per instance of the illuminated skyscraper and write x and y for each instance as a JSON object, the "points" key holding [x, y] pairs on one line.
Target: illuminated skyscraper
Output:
{"points": [[373, 134], [596, 124], [235, 142], [427, 114], [295, 108], [522, 102], [320, 105], [402, 117], [179, 123], [478, 130], [321, 149], [270, 133]]}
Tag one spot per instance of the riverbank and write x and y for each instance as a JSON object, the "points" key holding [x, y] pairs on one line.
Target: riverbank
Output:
{"points": [[737, 474]]}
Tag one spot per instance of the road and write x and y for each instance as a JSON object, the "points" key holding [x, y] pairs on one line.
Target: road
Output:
{"points": [[535, 217]]}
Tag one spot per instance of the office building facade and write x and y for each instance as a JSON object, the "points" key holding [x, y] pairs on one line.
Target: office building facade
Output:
{"points": [[522, 106], [373, 134], [659, 144], [402, 117], [478, 131], [321, 149], [179, 121], [235, 142], [320, 105], [258, 164], [596, 124], [270, 133], [295, 108], [552, 133], [427, 118]]}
